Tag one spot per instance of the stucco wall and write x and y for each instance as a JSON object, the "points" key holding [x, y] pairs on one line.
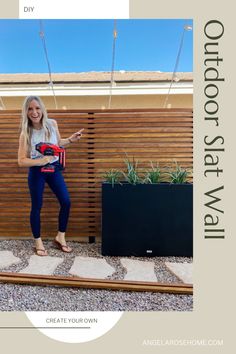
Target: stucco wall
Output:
{"points": [[84, 102]]}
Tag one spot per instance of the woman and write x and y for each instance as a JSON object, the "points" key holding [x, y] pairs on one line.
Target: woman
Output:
{"points": [[36, 127]]}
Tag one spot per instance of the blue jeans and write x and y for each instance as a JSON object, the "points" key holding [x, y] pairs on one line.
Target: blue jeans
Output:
{"points": [[36, 182]]}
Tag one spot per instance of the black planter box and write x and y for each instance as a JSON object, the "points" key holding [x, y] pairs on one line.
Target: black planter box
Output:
{"points": [[147, 220]]}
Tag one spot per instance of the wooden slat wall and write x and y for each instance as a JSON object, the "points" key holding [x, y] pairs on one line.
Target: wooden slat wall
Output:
{"points": [[146, 134]]}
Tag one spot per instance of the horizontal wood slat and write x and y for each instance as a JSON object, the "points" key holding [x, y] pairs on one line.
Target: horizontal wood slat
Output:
{"points": [[160, 135]]}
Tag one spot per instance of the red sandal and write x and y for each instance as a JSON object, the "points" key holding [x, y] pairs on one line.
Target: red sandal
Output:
{"points": [[63, 248], [37, 250]]}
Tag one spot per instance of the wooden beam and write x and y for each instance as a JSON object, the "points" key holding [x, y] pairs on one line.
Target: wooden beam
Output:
{"points": [[50, 280]]}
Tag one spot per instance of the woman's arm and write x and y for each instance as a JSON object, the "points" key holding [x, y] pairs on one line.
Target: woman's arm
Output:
{"points": [[25, 161], [66, 142]]}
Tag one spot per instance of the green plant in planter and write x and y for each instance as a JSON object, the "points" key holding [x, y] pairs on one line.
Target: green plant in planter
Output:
{"points": [[178, 175], [112, 176], [153, 175], [132, 175]]}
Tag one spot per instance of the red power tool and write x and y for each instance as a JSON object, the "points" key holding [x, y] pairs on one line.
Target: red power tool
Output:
{"points": [[48, 149]]}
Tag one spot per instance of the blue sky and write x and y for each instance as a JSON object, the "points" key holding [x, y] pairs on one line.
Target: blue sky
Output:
{"points": [[86, 45]]}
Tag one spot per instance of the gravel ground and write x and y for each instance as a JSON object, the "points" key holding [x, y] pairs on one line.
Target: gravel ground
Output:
{"points": [[14, 297]]}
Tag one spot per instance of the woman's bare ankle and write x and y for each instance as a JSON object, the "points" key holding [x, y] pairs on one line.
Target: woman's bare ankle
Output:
{"points": [[60, 237]]}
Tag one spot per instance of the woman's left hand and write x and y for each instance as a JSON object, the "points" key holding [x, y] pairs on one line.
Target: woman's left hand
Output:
{"points": [[76, 136]]}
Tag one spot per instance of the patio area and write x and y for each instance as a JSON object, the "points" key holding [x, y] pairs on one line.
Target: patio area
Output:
{"points": [[86, 262], [162, 135]]}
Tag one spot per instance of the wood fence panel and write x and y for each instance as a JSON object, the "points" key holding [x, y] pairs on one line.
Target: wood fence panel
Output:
{"points": [[160, 135]]}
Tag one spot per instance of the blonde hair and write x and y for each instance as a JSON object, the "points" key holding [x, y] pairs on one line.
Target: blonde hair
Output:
{"points": [[26, 124]]}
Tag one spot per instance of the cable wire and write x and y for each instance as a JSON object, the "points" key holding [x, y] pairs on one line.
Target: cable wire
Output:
{"points": [[113, 63], [42, 35], [186, 28], [2, 104]]}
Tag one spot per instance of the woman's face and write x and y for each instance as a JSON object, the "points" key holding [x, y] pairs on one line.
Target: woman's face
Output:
{"points": [[35, 113]]}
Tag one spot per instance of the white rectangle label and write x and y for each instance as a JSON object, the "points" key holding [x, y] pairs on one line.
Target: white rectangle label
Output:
{"points": [[73, 9]]}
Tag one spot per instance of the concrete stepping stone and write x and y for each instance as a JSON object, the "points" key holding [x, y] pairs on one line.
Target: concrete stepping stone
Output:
{"points": [[7, 259], [91, 267], [183, 271], [139, 270], [45, 265]]}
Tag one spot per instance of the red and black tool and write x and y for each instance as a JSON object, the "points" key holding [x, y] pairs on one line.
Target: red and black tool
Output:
{"points": [[48, 149]]}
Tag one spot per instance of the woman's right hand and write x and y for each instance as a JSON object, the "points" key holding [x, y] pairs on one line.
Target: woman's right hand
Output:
{"points": [[46, 159]]}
